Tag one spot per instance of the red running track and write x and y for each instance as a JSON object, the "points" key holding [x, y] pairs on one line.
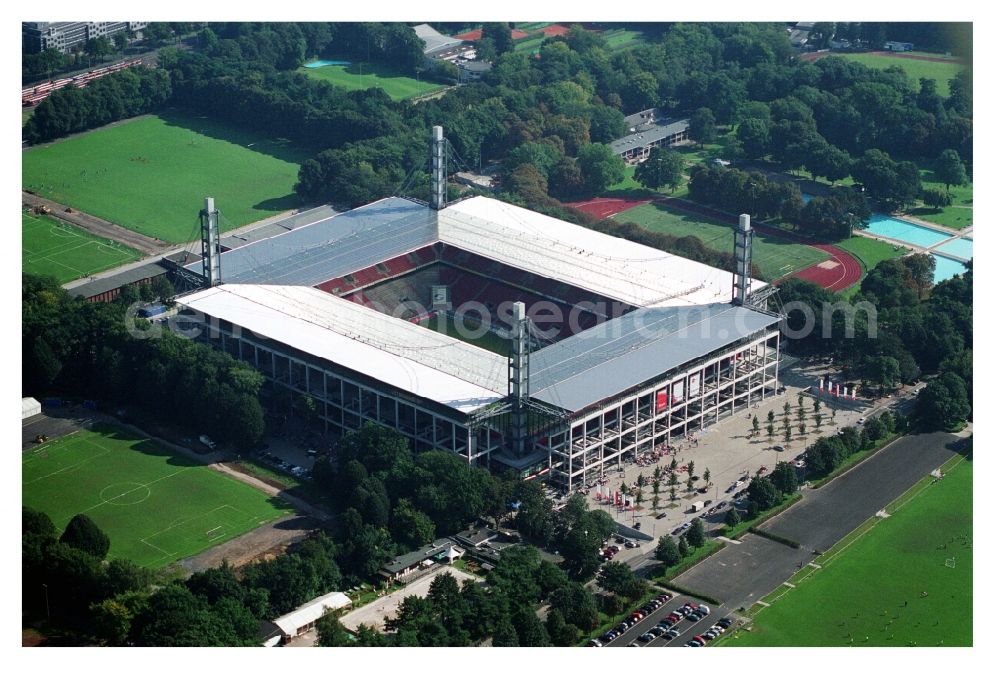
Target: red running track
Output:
{"points": [[839, 272]]}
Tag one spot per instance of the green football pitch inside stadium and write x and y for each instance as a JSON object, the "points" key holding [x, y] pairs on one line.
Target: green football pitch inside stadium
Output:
{"points": [[151, 174], [775, 257], [156, 506], [906, 581], [470, 333], [361, 75], [50, 247]]}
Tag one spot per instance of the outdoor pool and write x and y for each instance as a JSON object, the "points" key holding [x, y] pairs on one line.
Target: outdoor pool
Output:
{"points": [[958, 247], [321, 63], [946, 268], [887, 226]]}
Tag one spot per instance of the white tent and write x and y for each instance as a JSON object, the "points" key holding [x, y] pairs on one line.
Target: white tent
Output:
{"points": [[30, 407]]}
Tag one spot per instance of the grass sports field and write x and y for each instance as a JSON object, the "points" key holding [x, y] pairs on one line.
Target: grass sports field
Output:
{"points": [[871, 593], [938, 71], [360, 75], [775, 257], [50, 247], [152, 173], [870, 251], [448, 326], [155, 506]]}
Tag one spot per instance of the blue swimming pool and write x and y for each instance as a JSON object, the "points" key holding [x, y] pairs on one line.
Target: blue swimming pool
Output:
{"points": [[958, 247], [321, 63], [946, 268], [887, 226]]}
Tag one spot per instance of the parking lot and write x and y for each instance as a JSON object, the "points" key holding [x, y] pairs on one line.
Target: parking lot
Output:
{"points": [[686, 628]]}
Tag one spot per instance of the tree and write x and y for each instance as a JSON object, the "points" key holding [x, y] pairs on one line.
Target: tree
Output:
{"points": [[802, 428], [949, 169], [37, 523], [683, 548], [690, 468], [664, 167], [530, 630], [756, 426], [120, 40], [770, 431], [639, 497], [943, 403], [500, 34], [504, 635], [695, 535], [667, 552], [935, 197], [577, 605], [690, 483], [409, 526], [673, 493], [331, 633], [755, 137], [818, 420], [733, 518], [788, 434], [600, 167], [787, 409], [616, 577], [83, 534], [706, 476], [655, 502], [763, 492], [701, 127], [784, 477]]}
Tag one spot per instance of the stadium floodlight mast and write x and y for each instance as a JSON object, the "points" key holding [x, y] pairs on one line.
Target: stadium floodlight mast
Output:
{"points": [[210, 246]]}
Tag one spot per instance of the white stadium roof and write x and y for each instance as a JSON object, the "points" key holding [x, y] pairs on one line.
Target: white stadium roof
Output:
{"points": [[611, 266], [394, 351]]}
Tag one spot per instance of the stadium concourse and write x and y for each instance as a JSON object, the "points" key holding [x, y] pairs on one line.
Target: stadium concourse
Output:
{"points": [[627, 347]]}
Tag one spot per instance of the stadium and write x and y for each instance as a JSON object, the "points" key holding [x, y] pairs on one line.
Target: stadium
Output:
{"points": [[486, 329]]}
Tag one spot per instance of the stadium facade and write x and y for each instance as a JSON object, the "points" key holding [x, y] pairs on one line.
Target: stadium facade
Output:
{"points": [[615, 347]]}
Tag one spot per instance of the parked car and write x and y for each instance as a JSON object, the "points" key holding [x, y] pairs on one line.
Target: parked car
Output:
{"points": [[670, 634], [647, 637], [594, 643]]}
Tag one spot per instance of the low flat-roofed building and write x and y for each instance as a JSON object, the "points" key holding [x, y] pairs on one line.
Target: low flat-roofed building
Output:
{"points": [[649, 129], [303, 618]]}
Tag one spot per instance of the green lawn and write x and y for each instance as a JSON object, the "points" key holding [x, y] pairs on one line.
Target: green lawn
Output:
{"points": [[151, 174], [941, 72], [155, 506], [51, 247], [362, 75], [870, 251], [529, 44], [871, 593], [774, 256], [958, 215], [619, 38], [488, 341]]}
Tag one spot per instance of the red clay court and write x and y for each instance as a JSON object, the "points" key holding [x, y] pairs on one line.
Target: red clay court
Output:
{"points": [[839, 272], [554, 30]]}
